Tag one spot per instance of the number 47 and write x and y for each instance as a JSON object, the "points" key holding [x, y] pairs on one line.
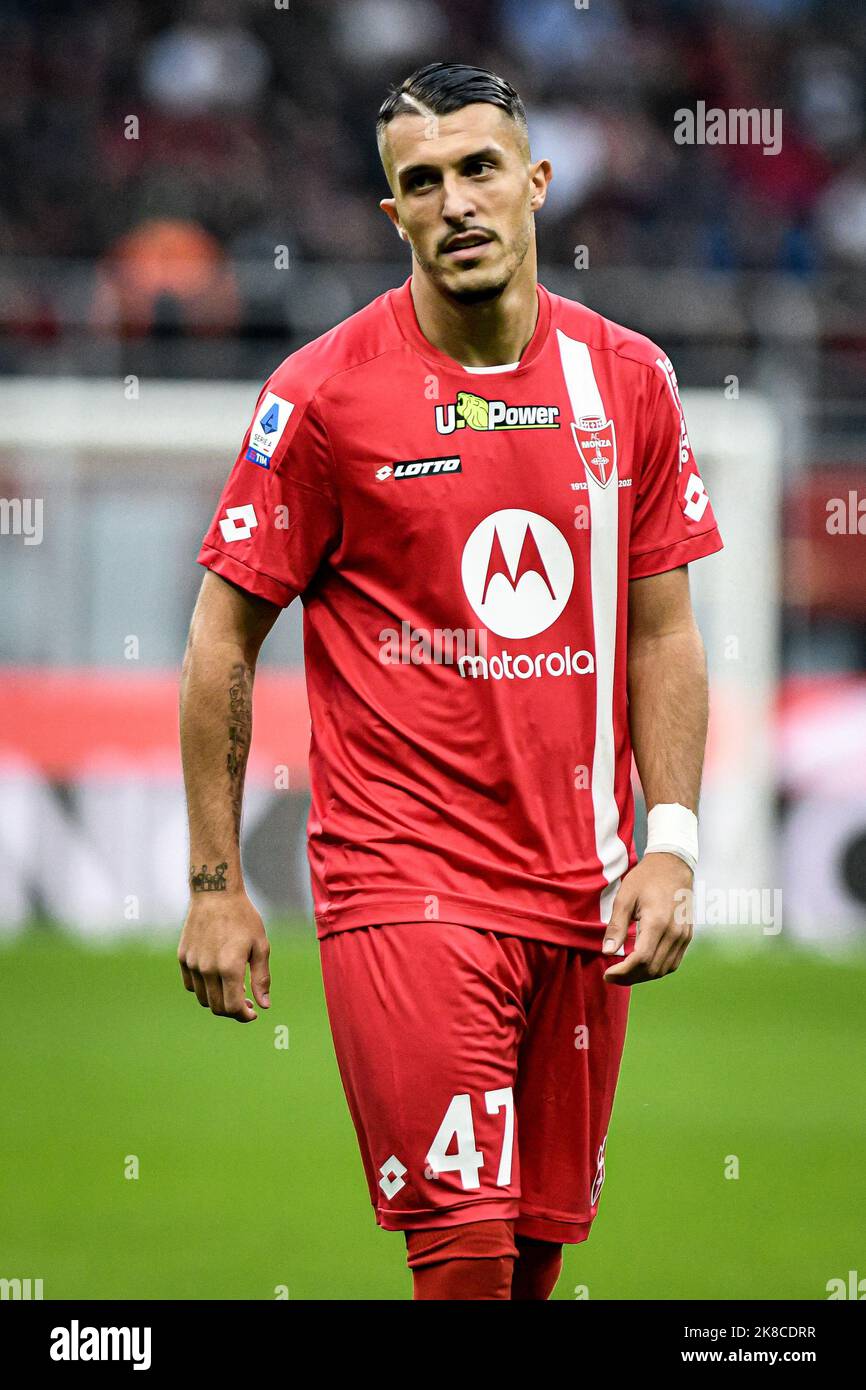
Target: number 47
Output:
{"points": [[457, 1125]]}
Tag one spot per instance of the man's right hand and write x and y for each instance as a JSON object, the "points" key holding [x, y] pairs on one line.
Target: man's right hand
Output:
{"points": [[221, 934]]}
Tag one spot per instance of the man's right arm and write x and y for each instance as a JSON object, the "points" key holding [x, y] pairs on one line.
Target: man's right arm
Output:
{"points": [[223, 931]]}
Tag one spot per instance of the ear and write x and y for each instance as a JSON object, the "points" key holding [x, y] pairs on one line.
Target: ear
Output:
{"points": [[540, 175], [389, 207]]}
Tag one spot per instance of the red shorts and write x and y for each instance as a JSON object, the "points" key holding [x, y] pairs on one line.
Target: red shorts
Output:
{"points": [[480, 1072]]}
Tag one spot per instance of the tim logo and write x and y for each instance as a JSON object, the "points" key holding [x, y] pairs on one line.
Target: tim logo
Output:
{"points": [[518, 572], [476, 413], [596, 444]]}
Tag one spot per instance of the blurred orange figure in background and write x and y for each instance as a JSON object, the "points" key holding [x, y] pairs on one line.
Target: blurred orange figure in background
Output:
{"points": [[166, 276]]}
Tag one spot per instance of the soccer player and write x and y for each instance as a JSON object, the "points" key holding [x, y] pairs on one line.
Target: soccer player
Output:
{"points": [[485, 497]]}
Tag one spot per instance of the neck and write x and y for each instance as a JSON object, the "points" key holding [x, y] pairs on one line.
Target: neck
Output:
{"points": [[479, 335]]}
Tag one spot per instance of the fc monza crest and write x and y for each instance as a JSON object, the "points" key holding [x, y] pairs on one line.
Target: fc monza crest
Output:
{"points": [[596, 444]]}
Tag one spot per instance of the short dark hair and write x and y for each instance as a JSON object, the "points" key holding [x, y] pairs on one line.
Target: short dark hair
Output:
{"points": [[444, 87]]}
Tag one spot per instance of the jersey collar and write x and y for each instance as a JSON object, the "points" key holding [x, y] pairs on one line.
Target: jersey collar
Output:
{"points": [[407, 321]]}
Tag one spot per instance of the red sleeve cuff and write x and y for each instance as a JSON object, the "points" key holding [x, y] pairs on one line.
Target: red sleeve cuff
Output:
{"points": [[255, 583], [669, 557]]}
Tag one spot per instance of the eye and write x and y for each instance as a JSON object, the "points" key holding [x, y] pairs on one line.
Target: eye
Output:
{"points": [[419, 181], [480, 166]]}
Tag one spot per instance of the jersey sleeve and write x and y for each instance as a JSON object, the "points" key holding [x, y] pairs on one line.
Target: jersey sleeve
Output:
{"points": [[672, 521], [278, 516]]}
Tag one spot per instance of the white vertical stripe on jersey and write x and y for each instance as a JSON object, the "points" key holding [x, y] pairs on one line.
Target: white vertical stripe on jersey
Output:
{"points": [[585, 399]]}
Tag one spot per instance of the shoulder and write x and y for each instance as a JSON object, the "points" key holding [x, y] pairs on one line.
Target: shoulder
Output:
{"points": [[357, 341], [601, 334]]}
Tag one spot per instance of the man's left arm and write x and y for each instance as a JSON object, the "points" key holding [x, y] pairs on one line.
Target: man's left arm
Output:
{"points": [[668, 711]]}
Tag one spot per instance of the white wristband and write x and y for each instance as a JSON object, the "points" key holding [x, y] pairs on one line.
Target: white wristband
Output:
{"points": [[673, 829]]}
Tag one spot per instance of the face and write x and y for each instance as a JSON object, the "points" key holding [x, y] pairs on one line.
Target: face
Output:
{"points": [[464, 196]]}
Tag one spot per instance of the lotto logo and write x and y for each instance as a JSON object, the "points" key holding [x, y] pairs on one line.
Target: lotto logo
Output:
{"points": [[238, 522], [393, 1173], [420, 468], [696, 498]]}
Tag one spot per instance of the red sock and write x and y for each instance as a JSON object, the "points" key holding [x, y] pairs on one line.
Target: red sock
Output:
{"points": [[536, 1270], [472, 1261]]}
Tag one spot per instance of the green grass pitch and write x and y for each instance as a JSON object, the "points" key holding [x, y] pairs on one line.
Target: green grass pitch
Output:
{"points": [[249, 1177]]}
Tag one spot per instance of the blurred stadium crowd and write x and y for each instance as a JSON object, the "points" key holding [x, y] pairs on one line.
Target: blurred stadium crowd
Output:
{"points": [[176, 143]]}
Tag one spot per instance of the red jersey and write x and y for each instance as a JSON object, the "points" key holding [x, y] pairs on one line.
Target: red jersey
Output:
{"points": [[462, 542]]}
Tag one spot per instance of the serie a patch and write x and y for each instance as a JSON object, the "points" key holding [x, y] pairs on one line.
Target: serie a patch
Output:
{"points": [[267, 429]]}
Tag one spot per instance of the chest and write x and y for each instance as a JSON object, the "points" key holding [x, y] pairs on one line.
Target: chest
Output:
{"points": [[429, 460]]}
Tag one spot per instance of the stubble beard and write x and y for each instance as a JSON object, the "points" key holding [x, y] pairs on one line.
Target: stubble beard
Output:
{"points": [[485, 292]]}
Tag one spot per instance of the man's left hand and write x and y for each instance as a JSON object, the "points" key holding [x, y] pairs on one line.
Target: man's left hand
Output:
{"points": [[658, 894]]}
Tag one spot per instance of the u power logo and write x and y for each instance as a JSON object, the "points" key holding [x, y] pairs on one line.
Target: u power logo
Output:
{"points": [[480, 414]]}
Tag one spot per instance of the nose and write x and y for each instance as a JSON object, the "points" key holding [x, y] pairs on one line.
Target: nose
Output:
{"points": [[458, 204]]}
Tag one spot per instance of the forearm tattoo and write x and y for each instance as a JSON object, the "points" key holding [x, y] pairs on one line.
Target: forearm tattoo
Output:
{"points": [[203, 882], [240, 734]]}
